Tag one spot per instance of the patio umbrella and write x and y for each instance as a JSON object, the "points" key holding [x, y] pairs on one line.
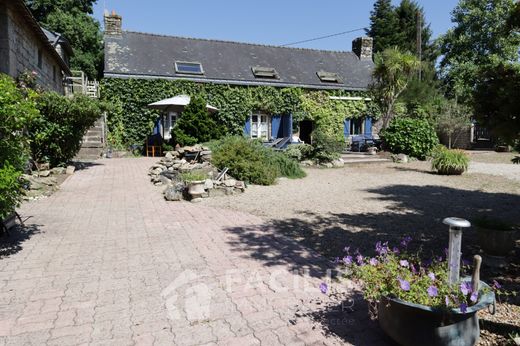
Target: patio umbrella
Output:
{"points": [[177, 104]]}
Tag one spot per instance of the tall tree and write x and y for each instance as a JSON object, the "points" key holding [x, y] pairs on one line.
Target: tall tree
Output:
{"points": [[383, 26], [409, 14], [392, 73], [73, 19], [478, 40]]}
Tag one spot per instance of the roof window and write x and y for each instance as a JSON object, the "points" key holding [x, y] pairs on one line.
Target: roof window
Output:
{"points": [[185, 67], [264, 72], [328, 77]]}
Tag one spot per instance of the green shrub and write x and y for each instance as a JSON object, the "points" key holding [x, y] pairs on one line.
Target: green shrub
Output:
{"points": [[58, 133], [326, 147], [413, 137], [299, 152], [450, 161], [250, 161], [194, 176], [17, 111], [195, 125], [286, 166]]}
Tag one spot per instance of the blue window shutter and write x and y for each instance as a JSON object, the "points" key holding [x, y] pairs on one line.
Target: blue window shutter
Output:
{"points": [[276, 121], [346, 127], [247, 127], [286, 126], [368, 126], [157, 127]]}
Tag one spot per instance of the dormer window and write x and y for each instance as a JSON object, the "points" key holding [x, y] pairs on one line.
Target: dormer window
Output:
{"points": [[264, 72], [185, 67], [328, 77]]}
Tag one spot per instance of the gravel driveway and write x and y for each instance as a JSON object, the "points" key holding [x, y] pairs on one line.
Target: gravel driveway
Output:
{"points": [[505, 170]]}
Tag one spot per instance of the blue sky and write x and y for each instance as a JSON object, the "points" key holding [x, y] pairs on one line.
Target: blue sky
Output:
{"points": [[274, 22]]}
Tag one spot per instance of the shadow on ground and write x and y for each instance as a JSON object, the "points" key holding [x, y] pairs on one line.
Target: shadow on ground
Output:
{"points": [[12, 241]]}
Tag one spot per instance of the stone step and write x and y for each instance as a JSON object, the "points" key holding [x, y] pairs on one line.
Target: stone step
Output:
{"points": [[366, 160], [92, 139], [89, 153], [92, 145]]}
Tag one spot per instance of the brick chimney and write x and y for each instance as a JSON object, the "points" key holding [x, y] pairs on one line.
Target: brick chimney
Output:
{"points": [[113, 24], [363, 47]]}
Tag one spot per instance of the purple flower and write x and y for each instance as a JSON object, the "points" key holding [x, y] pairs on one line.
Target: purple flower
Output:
{"points": [[413, 269], [465, 288], [359, 259], [431, 276], [405, 285], [404, 263], [496, 285], [347, 249], [463, 308], [324, 288], [432, 291], [447, 300], [382, 249], [373, 262], [336, 260], [405, 241], [396, 250], [347, 260], [474, 297]]}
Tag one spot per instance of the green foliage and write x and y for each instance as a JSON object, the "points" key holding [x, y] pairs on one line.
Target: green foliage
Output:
{"points": [[131, 120], [250, 161], [479, 40], [392, 72], [450, 161], [17, 111], [497, 101], [196, 125], [392, 26], [327, 147], [406, 277], [73, 20], [413, 137], [57, 134], [452, 118], [299, 152], [194, 176]]}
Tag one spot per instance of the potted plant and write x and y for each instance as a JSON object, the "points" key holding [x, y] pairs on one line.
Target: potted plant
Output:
{"points": [[415, 304], [449, 161], [496, 237], [195, 181]]}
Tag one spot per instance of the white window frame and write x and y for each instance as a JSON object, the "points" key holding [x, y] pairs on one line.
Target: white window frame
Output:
{"points": [[169, 122], [188, 63], [362, 129], [267, 122]]}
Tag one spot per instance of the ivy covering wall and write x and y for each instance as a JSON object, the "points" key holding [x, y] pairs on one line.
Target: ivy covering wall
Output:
{"points": [[131, 120]]}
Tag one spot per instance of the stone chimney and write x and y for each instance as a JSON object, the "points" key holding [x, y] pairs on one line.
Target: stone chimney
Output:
{"points": [[113, 24], [363, 47]]}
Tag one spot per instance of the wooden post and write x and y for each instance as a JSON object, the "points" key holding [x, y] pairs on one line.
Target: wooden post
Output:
{"points": [[455, 245], [475, 278]]}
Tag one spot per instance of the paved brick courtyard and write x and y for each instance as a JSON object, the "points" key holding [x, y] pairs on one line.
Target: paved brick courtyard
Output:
{"points": [[106, 261]]}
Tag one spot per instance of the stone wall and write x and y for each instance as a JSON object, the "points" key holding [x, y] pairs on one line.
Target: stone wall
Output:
{"points": [[459, 140], [20, 48]]}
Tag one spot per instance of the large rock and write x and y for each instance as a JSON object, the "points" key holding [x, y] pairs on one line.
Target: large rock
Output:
{"points": [[208, 184], [401, 158], [338, 163], [70, 170], [44, 173], [230, 182], [174, 193], [58, 170]]}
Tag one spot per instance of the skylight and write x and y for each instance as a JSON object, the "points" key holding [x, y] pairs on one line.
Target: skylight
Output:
{"points": [[186, 67], [264, 72], [328, 77]]}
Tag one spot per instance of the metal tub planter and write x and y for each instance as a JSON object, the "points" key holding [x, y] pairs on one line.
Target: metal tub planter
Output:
{"points": [[411, 324]]}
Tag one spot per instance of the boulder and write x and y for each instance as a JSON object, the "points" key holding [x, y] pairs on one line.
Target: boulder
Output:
{"points": [[338, 163], [230, 182], [44, 173], [208, 184], [400, 158], [164, 180], [174, 193], [307, 163], [70, 170], [240, 185], [328, 165], [58, 170], [169, 155]]}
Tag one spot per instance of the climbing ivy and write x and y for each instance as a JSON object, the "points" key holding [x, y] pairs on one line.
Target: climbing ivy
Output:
{"points": [[130, 120]]}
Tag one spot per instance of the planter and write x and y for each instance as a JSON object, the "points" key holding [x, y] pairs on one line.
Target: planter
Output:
{"points": [[9, 221], [411, 324], [451, 171], [196, 188], [496, 242]]}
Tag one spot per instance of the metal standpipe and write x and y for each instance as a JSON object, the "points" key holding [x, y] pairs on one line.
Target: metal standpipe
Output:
{"points": [[454, 250]]}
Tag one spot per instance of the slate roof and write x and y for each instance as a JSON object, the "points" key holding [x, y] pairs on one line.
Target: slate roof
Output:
{"points": [[141, 55]]}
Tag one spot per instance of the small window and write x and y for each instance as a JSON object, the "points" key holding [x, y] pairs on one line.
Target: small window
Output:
{"points": [[260, 126], [328, 77], [356, 126], [264, 72], [188, 67], [40, 59]]}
